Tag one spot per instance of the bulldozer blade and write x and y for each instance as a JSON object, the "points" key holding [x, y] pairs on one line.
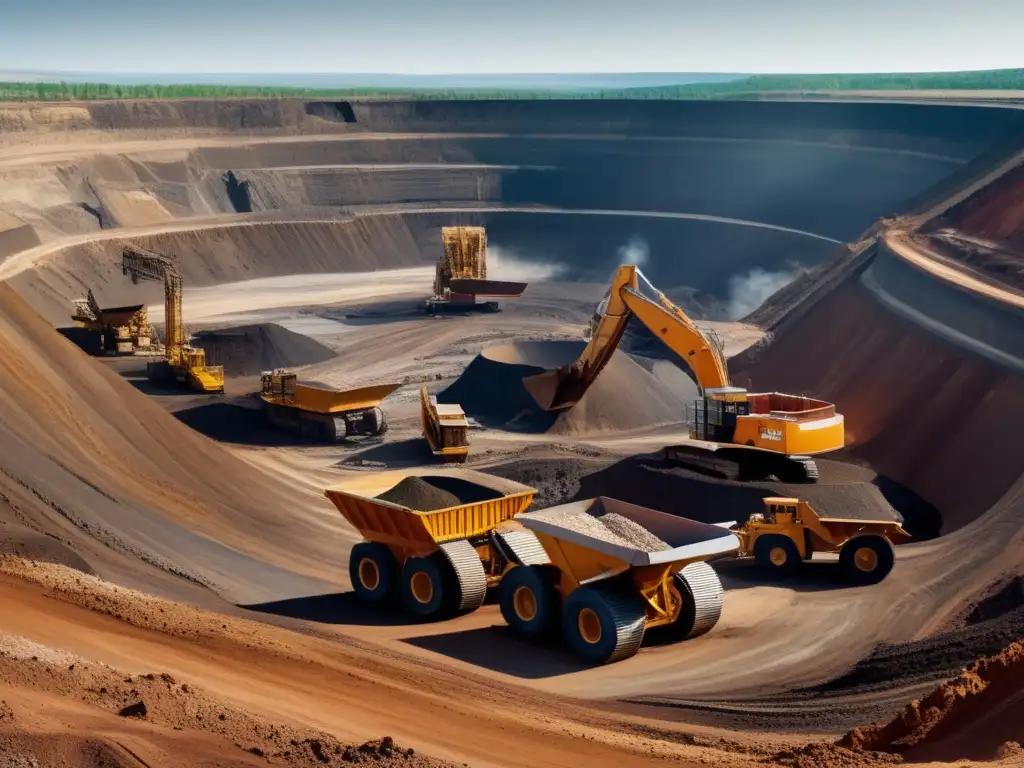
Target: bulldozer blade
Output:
{"points": [[544, 388]]}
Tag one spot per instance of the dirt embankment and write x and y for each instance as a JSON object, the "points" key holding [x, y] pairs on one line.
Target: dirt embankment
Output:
{"points": [[974, 716], [918, 410], [985, 232], [230, 252], [994, 213], [91, 461]]}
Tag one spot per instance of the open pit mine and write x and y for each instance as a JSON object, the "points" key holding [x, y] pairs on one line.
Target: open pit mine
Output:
{"points": [[513, 433]]}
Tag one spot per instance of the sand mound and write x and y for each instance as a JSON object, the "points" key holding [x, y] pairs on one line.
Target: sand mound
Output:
{"points": [[624, 397], [972, 716], [437, 492], [250, 349]]}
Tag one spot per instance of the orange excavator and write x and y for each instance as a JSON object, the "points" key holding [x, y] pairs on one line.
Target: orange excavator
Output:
{"points": [[734, 433]]}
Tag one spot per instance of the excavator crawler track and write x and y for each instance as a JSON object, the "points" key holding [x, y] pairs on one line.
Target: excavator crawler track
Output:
{"points": [[469, 573]]}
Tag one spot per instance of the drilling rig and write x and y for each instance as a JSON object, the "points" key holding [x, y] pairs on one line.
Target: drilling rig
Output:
{"points": [[183, 363], [460, 278]]}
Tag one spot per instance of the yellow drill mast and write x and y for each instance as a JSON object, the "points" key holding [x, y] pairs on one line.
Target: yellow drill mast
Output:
{"points": [[187, 363]]}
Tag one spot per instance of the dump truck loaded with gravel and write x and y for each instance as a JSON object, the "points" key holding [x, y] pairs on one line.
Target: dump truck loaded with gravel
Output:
{"points": [[601, 572]]}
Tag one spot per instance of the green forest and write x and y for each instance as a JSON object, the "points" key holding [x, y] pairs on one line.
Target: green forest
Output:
{"points": [[1001, 79]]}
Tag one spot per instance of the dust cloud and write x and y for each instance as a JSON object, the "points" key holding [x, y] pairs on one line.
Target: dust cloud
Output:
{"points": [[635, 252], [503, 264], [749, 291]]}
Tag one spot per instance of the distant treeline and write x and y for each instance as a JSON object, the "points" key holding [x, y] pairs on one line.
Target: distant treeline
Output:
{"points": [[997, 79]]}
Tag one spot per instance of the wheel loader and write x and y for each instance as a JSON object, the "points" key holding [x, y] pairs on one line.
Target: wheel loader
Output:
{"points": [[789, 532], [743, 435]]}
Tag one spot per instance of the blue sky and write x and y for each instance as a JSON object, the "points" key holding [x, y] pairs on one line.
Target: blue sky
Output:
{"points": [[521, 36]]}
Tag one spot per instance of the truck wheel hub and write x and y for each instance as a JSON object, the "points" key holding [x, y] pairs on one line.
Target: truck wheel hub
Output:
{"points": [[865, 559], [369, 574], [525, 603], [590, 626], [422, 587], [778, 556]]}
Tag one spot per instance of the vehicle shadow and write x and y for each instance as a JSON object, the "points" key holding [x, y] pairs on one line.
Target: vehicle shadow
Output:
{"points": [[815, 576], [339, 608], [497, 649], [400, 453]]}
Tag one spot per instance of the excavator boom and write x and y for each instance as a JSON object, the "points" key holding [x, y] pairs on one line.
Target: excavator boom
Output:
{"points": [[751, 435], [631, 295]]}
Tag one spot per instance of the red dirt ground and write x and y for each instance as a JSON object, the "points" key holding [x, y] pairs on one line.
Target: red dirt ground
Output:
{"points": [[974, 716]]}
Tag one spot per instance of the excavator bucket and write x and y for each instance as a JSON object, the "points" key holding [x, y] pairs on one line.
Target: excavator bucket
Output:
{"points": [[556, 390], [543, 387]]}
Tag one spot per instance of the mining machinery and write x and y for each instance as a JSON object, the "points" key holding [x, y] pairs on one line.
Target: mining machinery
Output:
{"points": [[183, 363], [320, 412], [789, 531], [460, 277], [558, 571], [445, 428], [110, 330], [735, 433]]}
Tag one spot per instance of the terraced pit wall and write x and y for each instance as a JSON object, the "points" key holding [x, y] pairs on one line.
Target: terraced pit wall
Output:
{"points": [[704, 191]]}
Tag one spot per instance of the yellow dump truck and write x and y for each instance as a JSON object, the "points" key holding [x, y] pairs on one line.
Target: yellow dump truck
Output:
{"points": [[790, 531], [440, 561], [600, 571], [320, 412], [614, 572], [445, 428]]}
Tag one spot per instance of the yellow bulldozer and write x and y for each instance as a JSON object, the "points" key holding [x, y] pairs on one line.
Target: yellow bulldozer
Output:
{"points": [[183, 363], [740, 434]]}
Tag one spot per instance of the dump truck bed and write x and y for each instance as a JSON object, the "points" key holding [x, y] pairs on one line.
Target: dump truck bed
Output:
{"points": [[496, 502], [680, 538]]}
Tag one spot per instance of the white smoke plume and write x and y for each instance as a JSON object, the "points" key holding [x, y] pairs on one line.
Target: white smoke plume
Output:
{"points": [[749, 291], [635, 252], [503, 264]]}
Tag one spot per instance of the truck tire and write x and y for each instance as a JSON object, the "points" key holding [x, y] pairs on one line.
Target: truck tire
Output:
{"points": [[604, 622], [423, 585], [777, 555], [372, 569], [702, 598], [529, 601], [867, 559]]}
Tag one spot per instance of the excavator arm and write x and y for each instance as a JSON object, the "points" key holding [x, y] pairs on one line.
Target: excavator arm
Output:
{"points": [[631, 295]]}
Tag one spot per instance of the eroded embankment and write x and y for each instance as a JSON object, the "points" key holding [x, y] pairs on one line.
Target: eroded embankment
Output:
{"points": [[975, 716], [932, 415], [144, 500]]}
